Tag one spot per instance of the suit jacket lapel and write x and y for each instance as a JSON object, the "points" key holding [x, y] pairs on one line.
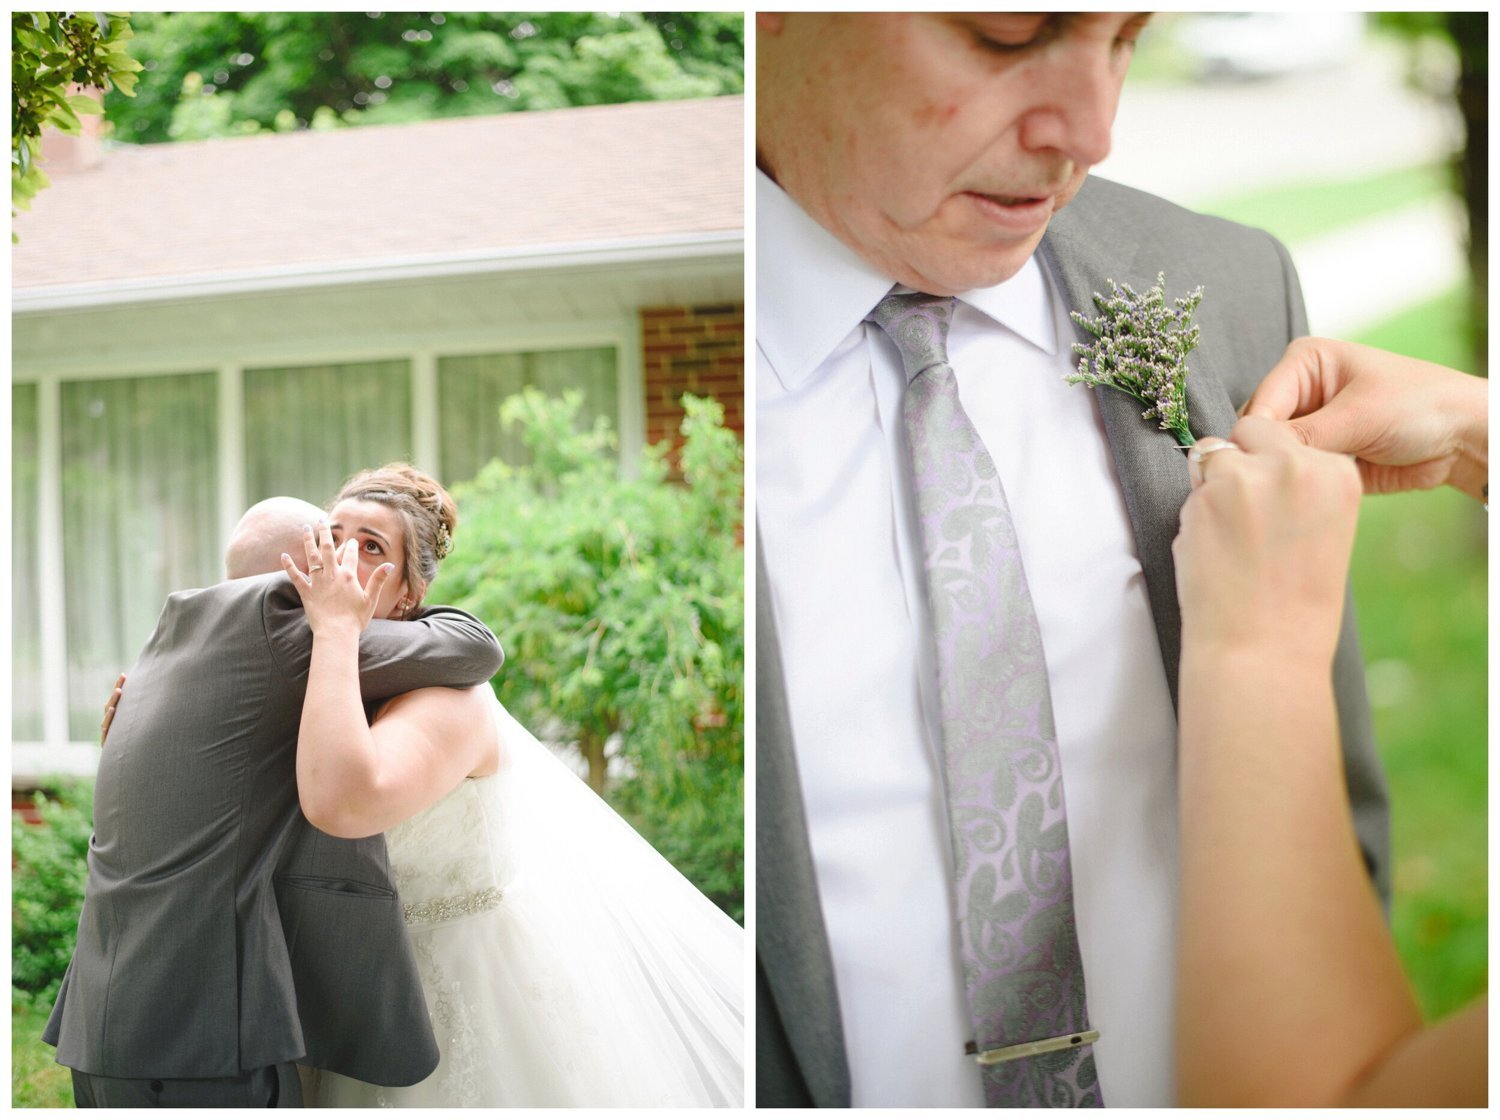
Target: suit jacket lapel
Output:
{"points": [[1084, 252], [791, 940]]}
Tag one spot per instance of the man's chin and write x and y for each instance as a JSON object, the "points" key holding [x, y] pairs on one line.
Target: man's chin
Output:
{"points": [[965, 269]]}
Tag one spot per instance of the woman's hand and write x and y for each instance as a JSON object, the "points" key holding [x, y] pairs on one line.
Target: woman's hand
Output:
{"points": [[109, 708], [1263, 551], [331, 592], [1412, 425]]}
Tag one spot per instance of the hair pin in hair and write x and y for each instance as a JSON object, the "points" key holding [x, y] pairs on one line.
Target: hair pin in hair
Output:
{"points": [[444, 540]]}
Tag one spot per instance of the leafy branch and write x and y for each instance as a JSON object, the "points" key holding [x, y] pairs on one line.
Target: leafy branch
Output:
{"points": [[53, 56]]}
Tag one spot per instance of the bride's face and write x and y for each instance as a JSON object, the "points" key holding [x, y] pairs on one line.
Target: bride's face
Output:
{"points": [[374, 529]]}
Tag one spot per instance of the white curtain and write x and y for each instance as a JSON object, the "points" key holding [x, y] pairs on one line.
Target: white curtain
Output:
{"points": [[309, 428], [140, 518], [25, 584], [471, 389]]}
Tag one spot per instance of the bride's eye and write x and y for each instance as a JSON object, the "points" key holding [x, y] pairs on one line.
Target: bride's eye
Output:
{"points": [[372, 547]]}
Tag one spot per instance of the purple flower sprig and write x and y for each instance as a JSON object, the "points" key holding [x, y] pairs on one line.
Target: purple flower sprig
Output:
{"points": [[1140, 347]]}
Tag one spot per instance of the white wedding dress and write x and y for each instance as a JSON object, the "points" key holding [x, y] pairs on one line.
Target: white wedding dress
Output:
{"points": [[565, 962]]}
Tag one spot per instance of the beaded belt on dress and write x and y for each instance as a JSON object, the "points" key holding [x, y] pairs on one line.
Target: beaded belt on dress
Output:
{"points": [[452, 906]]}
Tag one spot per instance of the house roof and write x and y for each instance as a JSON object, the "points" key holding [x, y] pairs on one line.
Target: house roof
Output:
{"points": [[619, 179]]}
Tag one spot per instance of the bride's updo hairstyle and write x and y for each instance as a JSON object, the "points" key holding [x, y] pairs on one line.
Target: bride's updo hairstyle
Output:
{"points": [[428, 516]]}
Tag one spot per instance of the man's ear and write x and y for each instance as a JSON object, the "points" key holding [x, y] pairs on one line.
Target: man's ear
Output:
{"points": [[770, 22]]}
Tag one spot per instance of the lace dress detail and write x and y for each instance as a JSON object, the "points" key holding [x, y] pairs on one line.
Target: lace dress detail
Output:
{"points": [[548, 984]]}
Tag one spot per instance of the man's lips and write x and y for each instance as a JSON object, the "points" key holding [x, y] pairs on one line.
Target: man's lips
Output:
{"points": [[1020, 213], [1018, 198]]}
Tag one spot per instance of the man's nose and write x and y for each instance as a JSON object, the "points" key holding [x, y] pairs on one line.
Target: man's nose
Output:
{"points": [[1074, 107]]}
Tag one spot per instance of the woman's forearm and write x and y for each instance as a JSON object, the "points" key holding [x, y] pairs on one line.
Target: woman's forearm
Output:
{"points": [[336, 754], [1289, 988]]}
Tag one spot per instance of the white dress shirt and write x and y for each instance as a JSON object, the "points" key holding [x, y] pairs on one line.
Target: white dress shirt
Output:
{"points": [[843, 557]]}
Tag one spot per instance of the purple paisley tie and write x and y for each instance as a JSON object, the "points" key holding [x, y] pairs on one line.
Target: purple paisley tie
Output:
{"points": [[1023, 976]]}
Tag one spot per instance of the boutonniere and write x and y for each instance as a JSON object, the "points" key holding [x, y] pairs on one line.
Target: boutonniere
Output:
{"points": [[1140, 347]]}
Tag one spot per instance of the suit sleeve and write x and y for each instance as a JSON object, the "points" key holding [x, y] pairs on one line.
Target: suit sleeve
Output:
{"points": [[441, 646]]}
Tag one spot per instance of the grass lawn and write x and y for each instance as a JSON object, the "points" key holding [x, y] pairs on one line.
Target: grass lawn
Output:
{"points": [[1421, 590], [36, 1081], [1301, 211], [1421, 593]]}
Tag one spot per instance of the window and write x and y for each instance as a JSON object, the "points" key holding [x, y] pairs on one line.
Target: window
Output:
{"points": [[309, 428], [139, 518], [471, 389]]}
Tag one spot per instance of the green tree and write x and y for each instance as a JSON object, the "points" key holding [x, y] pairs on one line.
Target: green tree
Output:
{"points": [[619, 598], [228, 73], [1468, 34], [52, 56]]}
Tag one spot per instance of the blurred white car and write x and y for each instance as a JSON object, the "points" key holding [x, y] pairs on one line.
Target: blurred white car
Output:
{"points": [[1266, 44]]}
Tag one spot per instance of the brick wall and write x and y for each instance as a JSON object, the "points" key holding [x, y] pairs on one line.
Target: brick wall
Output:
{"points": [[700, 350]]}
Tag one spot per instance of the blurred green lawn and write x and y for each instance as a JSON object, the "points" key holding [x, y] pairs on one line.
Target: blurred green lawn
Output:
{"points": [[36, 1081], [1421, 591], [1296, 211]]}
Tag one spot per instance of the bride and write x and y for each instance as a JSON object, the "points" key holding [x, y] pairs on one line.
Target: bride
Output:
{"points": [[564, 961]]}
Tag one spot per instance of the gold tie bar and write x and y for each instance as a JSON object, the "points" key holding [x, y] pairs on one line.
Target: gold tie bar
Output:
{"points": [[1041, 1046]]}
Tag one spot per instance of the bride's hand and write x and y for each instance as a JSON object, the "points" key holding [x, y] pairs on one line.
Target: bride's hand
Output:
{"points": [[331, 592], [1264, 546], [109, 708]]}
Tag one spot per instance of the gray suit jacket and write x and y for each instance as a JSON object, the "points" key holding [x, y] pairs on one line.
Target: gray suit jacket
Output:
{"points": [[1251, 310], [220, 932]]}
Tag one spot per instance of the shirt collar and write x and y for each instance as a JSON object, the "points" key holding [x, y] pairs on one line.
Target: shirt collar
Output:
{"points": [[811, 290], [1024, 304]]}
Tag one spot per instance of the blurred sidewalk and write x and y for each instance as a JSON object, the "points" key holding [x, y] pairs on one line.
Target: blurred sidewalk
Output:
{"points": [[1196, 143]]}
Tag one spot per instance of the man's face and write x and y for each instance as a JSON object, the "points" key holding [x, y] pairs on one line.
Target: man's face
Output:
{"points": [[937, 146]]}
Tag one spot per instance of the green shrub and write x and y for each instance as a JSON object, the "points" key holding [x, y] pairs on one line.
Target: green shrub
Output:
{"points": [[619, 596], [50, 866]]}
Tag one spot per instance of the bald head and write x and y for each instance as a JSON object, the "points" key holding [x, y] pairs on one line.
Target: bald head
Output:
{"points": [[268, 529]]}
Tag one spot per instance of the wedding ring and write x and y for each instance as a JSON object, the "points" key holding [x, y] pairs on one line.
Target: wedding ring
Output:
{"points": [[311, 568], [1198, 454]]}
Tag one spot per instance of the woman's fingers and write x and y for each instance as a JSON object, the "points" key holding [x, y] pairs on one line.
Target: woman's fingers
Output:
{"points": [[325, 545], [109, 708], [299, 581], [1253, 435], [1258, 434], [377, 581], [310, 547], [1199, 454], [1296, 384]]}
